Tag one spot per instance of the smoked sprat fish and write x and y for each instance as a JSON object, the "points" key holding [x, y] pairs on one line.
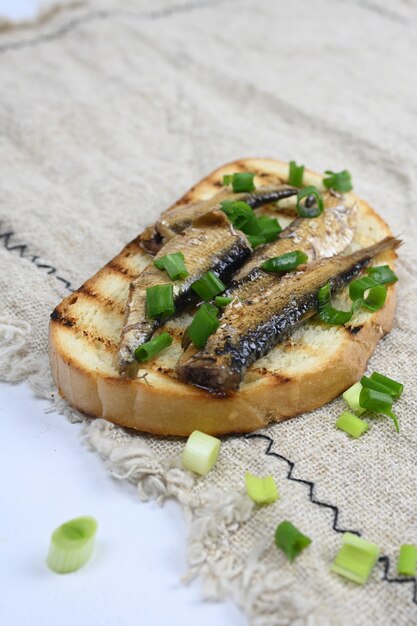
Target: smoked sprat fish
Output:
{"points": [[256, 320]]}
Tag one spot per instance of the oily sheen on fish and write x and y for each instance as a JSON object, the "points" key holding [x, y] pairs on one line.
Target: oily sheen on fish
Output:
{"points": [[211, 244], [258, 318]]}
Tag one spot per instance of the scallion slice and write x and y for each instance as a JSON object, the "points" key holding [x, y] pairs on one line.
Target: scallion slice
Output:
{"points": [[356, 558], [160, 301], [352, 395], [200, 453], [153, 347], [395, 387], [286, 262], [382, 274], [290, 540], [241, 181], [242, 217], [407, 563], [326, 312], [208, 286], [256, 240], [339, 181], [295, 177], [270, 227], [72, 545], [222, 300], [313, 205], [374, 283], [173, 264], [203, 325], [351, 424], [378, 402], [261, 490], [371, 383]]}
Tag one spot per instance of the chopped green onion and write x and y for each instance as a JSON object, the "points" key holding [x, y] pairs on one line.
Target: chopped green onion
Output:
{"points": [[203, 325], [371, 383], [261, 490], [379, 403], [208, 286], [285, 262], [351, 396], [153, 347], [339, 181], [351, 424], [160, 301], [290, 540], [374, 282], [241, 181], [173, 264], [256, 240], [382, 274], [356, 558], [296, 174], [222, 300], [270, 227], [407, 563], [72, 545], [395, 387], [200, 453], [242, 217], [326, 312], [309, 209]]}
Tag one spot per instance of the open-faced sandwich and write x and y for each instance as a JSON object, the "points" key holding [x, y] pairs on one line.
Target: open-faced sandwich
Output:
{"points": [[259, 295]]}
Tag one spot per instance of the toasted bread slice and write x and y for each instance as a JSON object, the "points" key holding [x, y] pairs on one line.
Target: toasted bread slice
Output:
{"points": [[316, 364]]}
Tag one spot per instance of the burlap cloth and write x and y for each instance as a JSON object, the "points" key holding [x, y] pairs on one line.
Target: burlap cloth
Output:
{"points": [[108, 112]]}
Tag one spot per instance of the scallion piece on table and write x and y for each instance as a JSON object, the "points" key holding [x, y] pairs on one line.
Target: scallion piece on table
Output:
{"points": [[153, 347], [261, 490], [173, 264], [222, 300], [351, 396], [295, 177], [72, 545], [356, 558], [200, 453], [339, 181], [326, 312], [395, 387], [407, 562], [313, 205], [203, 325], [270, 227], [351, 424], [378, 402], [160, 301], [286, 262], [241, 181], [208, 286], [290, 540]]}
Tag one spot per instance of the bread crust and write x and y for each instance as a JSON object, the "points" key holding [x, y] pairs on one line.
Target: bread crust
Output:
{"points": [[161, 405]]}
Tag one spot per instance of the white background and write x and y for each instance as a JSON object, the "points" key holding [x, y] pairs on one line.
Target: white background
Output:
{"points": [[47, 477]]}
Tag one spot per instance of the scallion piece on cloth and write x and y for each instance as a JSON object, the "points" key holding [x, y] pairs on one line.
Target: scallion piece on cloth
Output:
{"points": [[339, 181], [200, 453], [313, 205], [326, 312], [351, 396], [295, 177], [371, 383], [286, 262], [173, 264], [356, 558], [290, 540], [261, 490], [378, 402], [395, 387], [160, 301], [351, 424], [407, 563], [222, 300], [241, 181], [270, 227], [203, 325], [208, 286], [153, 347], [72, 545]]}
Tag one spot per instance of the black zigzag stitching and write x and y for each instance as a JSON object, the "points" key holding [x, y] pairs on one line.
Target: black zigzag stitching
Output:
{"points": [[6, 237], [384, 560]]}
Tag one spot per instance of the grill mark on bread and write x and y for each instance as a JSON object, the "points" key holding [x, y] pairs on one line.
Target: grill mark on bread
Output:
{"points": [[106, 302], [120, 269], [354, 330]]}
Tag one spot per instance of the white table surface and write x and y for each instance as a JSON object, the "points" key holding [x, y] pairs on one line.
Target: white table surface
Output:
{"points": [[47, 477]]}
